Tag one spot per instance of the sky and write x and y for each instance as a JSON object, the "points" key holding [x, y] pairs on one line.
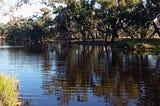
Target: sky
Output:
{"points": [[26, 10]]}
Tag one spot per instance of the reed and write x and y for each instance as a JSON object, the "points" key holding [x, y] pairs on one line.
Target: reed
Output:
{"points": [[8, 90]]}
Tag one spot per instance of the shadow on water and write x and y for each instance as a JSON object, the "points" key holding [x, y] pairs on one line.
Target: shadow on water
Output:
{"points": [[91, 75], [37, 47]]}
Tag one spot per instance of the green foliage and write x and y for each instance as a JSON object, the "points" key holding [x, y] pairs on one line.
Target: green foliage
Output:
{"points": [[85, 19], [107, 3], [21, 30]]}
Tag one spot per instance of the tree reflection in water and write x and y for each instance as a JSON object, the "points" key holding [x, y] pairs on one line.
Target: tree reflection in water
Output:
{"points": [[121, 78]]}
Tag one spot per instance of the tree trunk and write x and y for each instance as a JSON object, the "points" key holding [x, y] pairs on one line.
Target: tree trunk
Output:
{"points": [[114, 34]]}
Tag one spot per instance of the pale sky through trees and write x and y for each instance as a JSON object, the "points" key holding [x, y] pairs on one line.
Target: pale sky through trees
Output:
{"points": [[26, 10]]}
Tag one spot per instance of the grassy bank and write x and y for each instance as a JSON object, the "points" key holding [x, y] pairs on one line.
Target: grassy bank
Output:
{"points": [[8, 90], [130, 44], [138, 44]]}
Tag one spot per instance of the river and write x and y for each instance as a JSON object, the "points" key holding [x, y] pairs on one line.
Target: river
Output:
{"points": [[78, 75]]}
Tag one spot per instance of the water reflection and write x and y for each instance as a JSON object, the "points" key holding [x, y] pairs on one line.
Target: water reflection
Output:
{"points": [[120, 78], [62, 74]]}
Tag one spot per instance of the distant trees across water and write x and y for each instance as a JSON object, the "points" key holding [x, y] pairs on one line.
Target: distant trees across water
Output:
{"points": [[84, 20]]}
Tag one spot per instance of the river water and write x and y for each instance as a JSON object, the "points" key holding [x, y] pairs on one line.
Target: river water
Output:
{"points": [[78, 75]]}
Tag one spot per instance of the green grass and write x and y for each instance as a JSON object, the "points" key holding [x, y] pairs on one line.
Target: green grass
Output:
{"points": [[8, 90], [152, 44]]}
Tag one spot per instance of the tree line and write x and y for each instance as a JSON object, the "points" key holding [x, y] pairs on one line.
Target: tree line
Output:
{"points": [[84, 20]]}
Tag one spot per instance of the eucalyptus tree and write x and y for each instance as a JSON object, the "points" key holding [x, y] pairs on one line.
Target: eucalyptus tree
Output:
{"points": [[153, 12], [75, 19], [83, 17], [70, 17], [139, 16], [118, 14], [27, 30], [2, 29], [88, 19], [41, 25], [17, 30]]}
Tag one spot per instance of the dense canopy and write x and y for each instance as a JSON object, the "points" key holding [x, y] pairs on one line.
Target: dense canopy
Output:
{"points": [[85, 20]]}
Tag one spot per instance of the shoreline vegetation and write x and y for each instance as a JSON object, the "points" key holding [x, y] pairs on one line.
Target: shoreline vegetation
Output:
{"points": [[129, 44], [139, 44], [8, 91], [125, 43], [84, 20]]}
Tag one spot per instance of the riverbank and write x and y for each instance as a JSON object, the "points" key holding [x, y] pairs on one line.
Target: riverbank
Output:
{"points": [[130, 44], [139, 44]]}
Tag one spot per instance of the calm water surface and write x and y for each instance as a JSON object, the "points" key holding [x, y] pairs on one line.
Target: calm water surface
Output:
{"points": [[83, 75]]}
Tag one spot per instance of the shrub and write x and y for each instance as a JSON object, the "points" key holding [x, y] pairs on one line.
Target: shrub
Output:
{"points": [[8, 90]]}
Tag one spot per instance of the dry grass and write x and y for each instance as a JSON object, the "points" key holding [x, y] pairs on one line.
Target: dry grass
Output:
{"points": [[8, 90]]}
